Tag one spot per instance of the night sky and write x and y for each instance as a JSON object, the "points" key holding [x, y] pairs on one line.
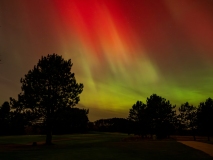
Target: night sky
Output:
{"points": [[122, 50]]}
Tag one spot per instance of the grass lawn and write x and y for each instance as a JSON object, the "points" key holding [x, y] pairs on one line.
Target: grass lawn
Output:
{"points": [[97, 146]]}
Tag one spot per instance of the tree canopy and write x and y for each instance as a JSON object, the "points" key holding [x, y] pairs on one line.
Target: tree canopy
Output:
{"points": [[188, 117], [138, 118], [205, 117], [50, 86], [4, 117], [161, 115], [154, 117]]}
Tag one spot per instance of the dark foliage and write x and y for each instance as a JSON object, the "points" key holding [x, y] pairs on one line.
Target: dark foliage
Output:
{"points": [[205, 118], [161, 115], [138, 119], [188, 118], [50, 86], [5, 118], [12, 122], [156, 117]]}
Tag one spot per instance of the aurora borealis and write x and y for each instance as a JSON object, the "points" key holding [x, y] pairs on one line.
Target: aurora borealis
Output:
{"points": [[122, 50]]}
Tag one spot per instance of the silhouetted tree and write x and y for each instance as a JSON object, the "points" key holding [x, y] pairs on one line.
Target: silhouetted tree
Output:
{"points": [[21, 117], [188, 117], [5, 108], [138, 118], [161, 115], [205, 117], [48, 87], [18, 122], [4, 118]]}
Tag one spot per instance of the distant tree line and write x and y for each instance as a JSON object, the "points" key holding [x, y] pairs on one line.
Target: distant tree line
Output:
{"points": [[111, 125], [160, 118]]}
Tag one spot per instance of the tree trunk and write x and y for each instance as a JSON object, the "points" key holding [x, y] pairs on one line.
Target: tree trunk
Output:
{"points": [[49, 128]]}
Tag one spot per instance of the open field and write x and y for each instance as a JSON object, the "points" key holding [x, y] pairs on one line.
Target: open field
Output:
{"points": [[103, 146]]}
